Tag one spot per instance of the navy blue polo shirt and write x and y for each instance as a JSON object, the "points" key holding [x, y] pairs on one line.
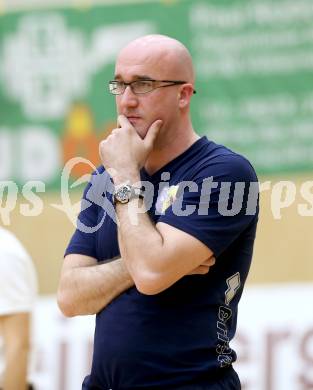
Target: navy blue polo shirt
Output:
{"points": [[179, 338]]}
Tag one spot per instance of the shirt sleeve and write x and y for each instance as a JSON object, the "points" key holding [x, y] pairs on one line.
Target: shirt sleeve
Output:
{"points": [[218, 205], [95, 204]]}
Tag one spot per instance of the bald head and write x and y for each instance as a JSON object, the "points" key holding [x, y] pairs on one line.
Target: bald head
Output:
{"points": [[159, 58], [167, 56]]}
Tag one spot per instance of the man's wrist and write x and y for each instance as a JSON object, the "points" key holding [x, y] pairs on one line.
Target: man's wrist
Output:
{"points": [[126, 178]]}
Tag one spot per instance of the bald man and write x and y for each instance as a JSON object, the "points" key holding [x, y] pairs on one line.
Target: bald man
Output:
{"points": [[163, 320]]}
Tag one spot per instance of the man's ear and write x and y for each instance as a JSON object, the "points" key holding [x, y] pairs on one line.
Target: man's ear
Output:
{"points": [[184, 96]]}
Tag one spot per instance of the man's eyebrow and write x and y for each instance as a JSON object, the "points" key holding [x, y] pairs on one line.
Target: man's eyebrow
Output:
{"points": [[135, 77], [144, 77]]}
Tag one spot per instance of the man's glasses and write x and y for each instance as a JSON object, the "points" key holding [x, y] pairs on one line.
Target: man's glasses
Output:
{"points": [[139, 87]]}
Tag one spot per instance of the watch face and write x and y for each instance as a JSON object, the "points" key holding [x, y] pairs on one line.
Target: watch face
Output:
{"points": [[123, 194]]}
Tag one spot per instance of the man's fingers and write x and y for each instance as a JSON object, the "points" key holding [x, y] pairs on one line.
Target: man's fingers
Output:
{"points": [[152, 134], [209, 262], [200, 270], [122, 121], [203, 268]]}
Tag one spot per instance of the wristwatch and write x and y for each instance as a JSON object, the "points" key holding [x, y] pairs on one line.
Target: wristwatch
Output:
{"points": [[125, 192]]}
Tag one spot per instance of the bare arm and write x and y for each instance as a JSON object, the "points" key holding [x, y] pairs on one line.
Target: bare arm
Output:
{"points": [[156, 256], [15, 331], [159, 255], [86, 287]]}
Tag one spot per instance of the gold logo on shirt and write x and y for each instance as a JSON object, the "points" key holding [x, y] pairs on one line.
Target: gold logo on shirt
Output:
{"points": [[166, 198]]}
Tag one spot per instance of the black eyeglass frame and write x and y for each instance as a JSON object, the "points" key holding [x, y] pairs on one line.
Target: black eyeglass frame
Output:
{"points": [[172, 82]]}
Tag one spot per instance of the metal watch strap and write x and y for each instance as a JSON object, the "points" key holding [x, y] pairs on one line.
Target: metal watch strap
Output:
{"points": [[134, 192], [137, 193]]}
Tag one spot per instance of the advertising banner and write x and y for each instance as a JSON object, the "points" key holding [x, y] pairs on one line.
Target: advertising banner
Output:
{"points": [[253, 60], [274, 341]]}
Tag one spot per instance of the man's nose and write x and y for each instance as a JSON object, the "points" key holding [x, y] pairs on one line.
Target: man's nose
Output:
{"points": [[128, 98]]}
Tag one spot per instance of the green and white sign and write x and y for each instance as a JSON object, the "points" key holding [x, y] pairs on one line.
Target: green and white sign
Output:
{"points": [[254, 64]]}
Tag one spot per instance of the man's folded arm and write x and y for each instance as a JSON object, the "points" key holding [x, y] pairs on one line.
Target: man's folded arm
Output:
{"points": [[158, 255], [86, 286]]}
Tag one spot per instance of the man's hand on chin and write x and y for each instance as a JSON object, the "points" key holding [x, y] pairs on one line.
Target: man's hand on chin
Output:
{"points": [[123, 153]]}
